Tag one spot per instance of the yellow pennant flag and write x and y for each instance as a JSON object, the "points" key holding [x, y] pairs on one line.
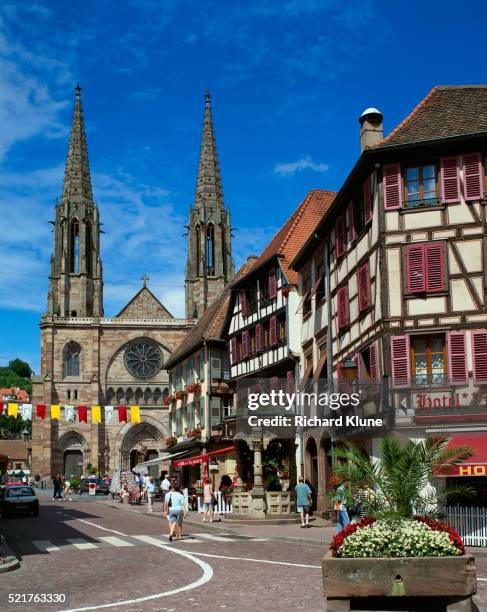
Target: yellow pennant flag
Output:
{"points": [[13, 410], [55, 412], [96, 414], [134, 414]]}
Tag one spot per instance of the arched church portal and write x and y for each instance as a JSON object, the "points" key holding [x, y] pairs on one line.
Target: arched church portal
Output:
{"points": [[142, 442], [70, 456]]}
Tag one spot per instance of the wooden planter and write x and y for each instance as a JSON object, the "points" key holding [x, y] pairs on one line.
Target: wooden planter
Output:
{"points": [[449, 579]]}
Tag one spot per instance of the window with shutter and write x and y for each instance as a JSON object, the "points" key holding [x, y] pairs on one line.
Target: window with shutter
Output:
{"points": [[363, 280], [401, 372], [392, 187], [291, 387], [340, 236], [272, 283], [373, 362], [479, 350], [415, 273], [434, 261], [342, 303], [429, 359], [233, 350], [244, 303], [473, 177], [245, 344], [351, 223], [273, 330], [367, 200], [216, 367], [259, 337], [450, 180], [457, 358]]}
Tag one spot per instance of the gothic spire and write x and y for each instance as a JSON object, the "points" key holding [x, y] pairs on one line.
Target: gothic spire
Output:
{"points": [[209, 183], [77, 179]]}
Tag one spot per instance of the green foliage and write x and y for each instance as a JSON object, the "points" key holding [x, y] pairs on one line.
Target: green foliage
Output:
{"points": [[17, 374], [400, 479], [9, 378], [20, 367], [12, 428]]}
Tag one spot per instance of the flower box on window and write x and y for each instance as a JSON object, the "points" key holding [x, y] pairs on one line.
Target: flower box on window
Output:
{"points": [[181, 394], [193, 387]]}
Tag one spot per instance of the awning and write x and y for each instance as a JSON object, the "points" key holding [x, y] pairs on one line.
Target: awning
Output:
{"points": [[202, 458], [164, 457], [477, 464]]}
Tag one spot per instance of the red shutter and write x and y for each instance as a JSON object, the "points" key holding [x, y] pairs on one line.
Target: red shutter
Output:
{"points": [[272, 283], [450, 180], [340, 236], [401, 370], [415, 276], [479, 350], [244, 304], [342, 303], [457, 358], [434, 260], [351, 224], [233, 349], [374, 362], [473, 177], [273, 330], [259, 337], [360, 366], [291, 387], [363, 280], [367, 200], [245, 344], [392, 187]]}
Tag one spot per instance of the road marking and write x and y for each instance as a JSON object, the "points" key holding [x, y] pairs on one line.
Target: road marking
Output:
{"points": [[100, 527], [208, 536], [114, 541], [482, 579], [45, 545], [206, 577], [258, 560], [80, 543]]}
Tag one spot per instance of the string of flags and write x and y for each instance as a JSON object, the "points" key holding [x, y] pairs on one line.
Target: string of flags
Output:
{"points": [[111, 413]]}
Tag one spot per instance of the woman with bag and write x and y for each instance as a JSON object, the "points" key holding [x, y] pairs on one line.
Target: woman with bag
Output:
{"points": [[208, 501], [175, 508]]}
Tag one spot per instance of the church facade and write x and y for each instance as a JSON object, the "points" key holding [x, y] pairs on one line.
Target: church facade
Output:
{"points": [[90, 359]]}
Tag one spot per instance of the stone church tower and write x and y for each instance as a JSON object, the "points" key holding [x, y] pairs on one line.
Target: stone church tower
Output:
{"points": [[209, 265], [76, 283]]}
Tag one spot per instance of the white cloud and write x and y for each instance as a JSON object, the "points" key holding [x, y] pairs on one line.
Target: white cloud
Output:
{"points": [[304, 163]]}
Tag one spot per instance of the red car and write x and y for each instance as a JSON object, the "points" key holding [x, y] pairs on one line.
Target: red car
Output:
{"points": [[14, 480]]}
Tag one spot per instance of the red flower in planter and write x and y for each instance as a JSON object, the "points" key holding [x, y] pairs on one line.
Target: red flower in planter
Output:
{"points": [[346, 531], [435, 525]]}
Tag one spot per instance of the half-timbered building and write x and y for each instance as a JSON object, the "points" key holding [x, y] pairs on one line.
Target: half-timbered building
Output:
{"points": [[394, 276]]}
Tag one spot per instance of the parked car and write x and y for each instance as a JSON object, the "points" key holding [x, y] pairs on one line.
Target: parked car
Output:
{"points": [[17, 499], [101, 487]]}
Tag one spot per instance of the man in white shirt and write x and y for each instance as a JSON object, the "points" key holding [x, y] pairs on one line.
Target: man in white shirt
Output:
{"points": [[151, 493], [146, 484], [165, 485]]}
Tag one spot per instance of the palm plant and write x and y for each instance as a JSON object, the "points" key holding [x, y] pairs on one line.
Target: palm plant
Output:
{"points": [[400, 479]]}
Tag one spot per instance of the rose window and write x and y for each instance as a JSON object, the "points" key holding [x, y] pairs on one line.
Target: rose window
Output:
{"points": [[143, 359]]}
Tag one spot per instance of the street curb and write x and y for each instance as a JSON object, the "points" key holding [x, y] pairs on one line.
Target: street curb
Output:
{"points": [[226, 528], [12, 562]]}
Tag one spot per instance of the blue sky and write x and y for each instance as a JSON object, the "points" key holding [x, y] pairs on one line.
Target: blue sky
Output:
{"points": [[288, 78]]}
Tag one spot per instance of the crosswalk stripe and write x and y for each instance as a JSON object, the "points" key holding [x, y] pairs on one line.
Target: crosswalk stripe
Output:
{"points": [[80, 543], [114, 541], [45, 545], [214, 538]]}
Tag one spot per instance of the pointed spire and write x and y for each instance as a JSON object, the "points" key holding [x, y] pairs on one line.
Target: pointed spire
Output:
{"points": [[77, 179], [209, 183]]}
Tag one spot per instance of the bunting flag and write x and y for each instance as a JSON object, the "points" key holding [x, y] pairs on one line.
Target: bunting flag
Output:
{"points": [[82, 414], [122, 414], [55, 412], [96, 414], [41, 411], [26, 412], [69, 414], [13, 409], [134, 414], [109, 414], [2, 407]]}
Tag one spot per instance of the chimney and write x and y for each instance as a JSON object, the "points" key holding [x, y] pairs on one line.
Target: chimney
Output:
{"points": [[371, 128]]}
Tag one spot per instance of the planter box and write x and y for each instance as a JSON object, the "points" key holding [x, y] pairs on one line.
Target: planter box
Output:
{"points": [[279, 502], [451, 578]]}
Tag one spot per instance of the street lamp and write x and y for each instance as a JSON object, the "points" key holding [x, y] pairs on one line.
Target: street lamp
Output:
{"points": [[349, 368]]}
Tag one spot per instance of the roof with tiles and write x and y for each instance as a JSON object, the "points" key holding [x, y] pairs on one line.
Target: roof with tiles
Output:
{"points": [[210, 325], [294, 233], [448, 110]]}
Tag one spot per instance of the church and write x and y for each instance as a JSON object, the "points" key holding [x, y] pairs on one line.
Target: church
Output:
{"points": [[89, 359]]}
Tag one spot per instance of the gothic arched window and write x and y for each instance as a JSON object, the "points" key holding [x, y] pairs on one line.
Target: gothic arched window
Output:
{"points": [[72, 352], [198, 250], [210, 250], [224, 251], [88, 250], [74, 246]]}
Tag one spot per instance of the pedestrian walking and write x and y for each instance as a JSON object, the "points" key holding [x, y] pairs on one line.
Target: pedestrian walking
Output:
{"points": [[67, 489], [151, 493], [37, 480], [303, 501], [58, 483], [176, 510], [165, 486], [343, 499], [208, 497]]}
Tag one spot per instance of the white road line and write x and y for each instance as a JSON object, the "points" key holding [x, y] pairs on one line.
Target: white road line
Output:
{"points": [[482, 579], [45, 545], [100, 527], [214, 538], [114, 541], [81, 544], [258, 560], [206, 577]]}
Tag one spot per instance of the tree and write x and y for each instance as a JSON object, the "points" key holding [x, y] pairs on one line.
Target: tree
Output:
{"points": [[20, 367], [400, 479]]}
